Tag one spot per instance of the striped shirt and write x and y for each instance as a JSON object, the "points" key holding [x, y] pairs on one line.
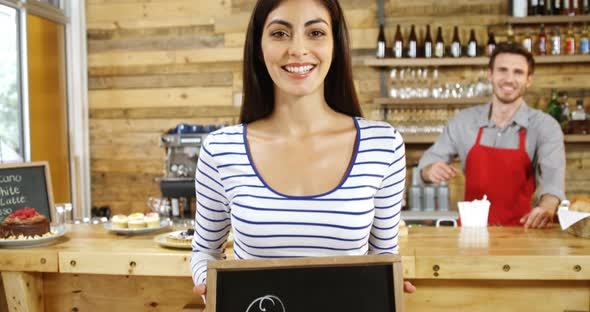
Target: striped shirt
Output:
{"points": [[359, 216]]}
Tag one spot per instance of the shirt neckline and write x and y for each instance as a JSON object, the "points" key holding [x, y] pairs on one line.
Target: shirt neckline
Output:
{"points": [[342, 181]]}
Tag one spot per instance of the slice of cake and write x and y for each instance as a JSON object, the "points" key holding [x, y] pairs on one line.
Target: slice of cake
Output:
{"points": [[152, 220], [181, 237], [119, 221], [24, 222], [136, 220]]}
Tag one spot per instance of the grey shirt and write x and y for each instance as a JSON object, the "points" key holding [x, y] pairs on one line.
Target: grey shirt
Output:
{"points": [[544, 143]]}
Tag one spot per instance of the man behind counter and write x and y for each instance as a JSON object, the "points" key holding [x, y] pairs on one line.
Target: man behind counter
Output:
{"points": [[506, 148]]}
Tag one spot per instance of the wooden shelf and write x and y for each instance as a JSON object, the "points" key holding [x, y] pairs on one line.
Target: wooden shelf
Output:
{"points": [[417, 62], [420, 138], [560, 19], [428, 138], [429, 215], [577, 138], [432, 101], [465, 61]]}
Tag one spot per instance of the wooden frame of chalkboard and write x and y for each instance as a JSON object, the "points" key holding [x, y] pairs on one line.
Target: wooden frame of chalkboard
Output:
{"points": [[11, 175], [220, 273]]}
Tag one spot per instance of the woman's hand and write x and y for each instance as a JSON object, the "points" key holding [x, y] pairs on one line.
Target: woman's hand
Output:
{"points": [[202, 289], [409, 288]]}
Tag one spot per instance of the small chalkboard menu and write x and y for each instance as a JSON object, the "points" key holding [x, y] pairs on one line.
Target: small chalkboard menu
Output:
{"points": [[25, 185], [343, 284]]}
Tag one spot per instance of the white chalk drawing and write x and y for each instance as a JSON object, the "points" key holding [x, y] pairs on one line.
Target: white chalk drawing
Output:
{"points": [[262, 299]]}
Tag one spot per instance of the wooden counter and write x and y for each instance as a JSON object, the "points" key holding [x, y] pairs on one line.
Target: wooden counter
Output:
{"points": [[455, 269]]}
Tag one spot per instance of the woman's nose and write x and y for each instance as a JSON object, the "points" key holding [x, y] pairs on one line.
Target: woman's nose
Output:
{"points": [[298, 47]]}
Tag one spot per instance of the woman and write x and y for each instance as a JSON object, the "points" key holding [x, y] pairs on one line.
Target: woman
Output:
{"points": [[304, 174]]}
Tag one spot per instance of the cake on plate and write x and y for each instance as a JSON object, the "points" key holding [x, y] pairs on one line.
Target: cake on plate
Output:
{"points": [[181, 237], [119, 221], [136, 220], [24, 222], [152, 220]]}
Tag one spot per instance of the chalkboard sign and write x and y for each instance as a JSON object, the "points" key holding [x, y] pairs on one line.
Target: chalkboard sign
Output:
{"points": [[343, 284], [25, 185]]}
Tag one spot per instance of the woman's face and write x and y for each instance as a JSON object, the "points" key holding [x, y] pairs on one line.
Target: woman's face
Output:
{"points": [[297, 46]]}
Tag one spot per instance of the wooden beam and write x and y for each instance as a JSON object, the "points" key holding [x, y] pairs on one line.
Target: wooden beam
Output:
{"points": [[24, 291]]}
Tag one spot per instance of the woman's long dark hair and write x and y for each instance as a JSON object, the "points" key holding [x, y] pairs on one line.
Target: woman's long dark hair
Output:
{"points": [[258, 100]]}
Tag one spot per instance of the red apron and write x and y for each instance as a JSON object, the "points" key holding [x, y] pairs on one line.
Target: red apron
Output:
{"points": [[505, 175]]}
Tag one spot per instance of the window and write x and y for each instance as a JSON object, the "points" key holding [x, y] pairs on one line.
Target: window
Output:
{"points": [[55, 3], [11, 137]]}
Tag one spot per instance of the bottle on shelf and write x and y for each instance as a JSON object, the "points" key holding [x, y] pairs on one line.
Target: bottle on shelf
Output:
{"points": [[555, 41], [587, 7], [439, 49], [456, 43], [542, 41], [548, 7], [472, 44], [519, 8], [584, 41], [412, 43], [555, 7], [534, 8], [570, 41], [527, 41], [442, 197], [510, 34], [553, 108], [429, 198], [398, 43], [381, 42], [566, 10], [575, 7], [579, 113], [565, 109], [491, 44], [541, 7], [428, 43], [415, 192]]}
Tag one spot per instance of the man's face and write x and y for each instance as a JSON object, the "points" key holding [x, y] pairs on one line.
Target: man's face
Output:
{"points": [[510, 78]]}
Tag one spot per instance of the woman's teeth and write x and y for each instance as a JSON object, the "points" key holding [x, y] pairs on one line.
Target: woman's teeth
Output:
{"points": [[299, 69]]}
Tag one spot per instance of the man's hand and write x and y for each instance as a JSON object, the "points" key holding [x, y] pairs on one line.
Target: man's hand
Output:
{"points": [[538, 218], [438, 172], [409, 288], [542, 215]]}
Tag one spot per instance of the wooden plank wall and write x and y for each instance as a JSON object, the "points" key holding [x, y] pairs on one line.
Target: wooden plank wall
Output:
{"points": [[154, 64]]}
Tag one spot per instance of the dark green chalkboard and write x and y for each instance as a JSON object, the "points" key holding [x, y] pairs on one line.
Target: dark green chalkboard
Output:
{"points": [[343, 284], [25, 185]]}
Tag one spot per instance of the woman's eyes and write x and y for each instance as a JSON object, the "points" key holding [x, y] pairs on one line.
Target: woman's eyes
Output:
{"points": [[317, 33], [283, 34], [279, 34]]}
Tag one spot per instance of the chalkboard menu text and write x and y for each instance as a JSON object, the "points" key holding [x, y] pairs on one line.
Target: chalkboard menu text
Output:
{"points": [[25, 185]]}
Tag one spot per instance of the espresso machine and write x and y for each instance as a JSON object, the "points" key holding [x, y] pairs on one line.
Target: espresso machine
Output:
{"points": [[182, 145]]}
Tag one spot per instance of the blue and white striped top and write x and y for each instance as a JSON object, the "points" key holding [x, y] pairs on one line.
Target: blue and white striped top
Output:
{"points": [[360, 216]]}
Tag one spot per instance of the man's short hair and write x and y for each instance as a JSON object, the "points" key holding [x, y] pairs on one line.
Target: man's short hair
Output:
{"points": [[512, 48]]}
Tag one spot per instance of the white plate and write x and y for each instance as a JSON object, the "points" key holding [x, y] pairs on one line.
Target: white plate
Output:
{"points": [[139, 231], [161, 239], [33, 242]]}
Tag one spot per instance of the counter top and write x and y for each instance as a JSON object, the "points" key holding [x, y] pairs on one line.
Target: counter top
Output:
{"points": [[427, 253]]}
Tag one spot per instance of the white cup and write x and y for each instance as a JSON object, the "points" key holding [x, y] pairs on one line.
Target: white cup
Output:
{"points": [[475, 213]]}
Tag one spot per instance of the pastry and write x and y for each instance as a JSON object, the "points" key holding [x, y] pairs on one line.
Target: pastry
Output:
{"points": [[581, 204], [181, 237], [152, 219], [24, 222], [119, 221], [136, 220]]}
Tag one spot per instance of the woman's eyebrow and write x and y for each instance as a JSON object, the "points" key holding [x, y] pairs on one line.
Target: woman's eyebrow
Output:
{"points": [[315, 21], [289, 25]]}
